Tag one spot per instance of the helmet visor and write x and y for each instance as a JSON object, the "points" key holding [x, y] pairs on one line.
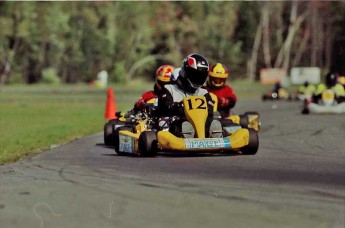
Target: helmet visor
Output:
{"points": [[197, 77]]}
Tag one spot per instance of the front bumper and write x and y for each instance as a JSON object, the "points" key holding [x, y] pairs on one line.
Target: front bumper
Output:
{"points": [[234, 142]]}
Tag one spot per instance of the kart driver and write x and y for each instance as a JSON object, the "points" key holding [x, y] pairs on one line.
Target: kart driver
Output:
{"points": [[331, 82], [163, 75], [191, 77], [216, 85], [306, 88], [339, 96], [304, 91]]}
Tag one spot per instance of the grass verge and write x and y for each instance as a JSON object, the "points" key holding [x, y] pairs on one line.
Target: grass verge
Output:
{"points": [[36, 118]]}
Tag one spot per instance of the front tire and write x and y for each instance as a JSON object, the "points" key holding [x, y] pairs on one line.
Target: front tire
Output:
{"points": [[148, 144], [253, 145]]}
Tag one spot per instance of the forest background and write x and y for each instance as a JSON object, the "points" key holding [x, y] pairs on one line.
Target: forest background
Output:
{"points": [[70, 42]]}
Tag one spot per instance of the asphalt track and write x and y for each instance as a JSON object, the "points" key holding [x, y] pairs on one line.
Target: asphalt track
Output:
{"points": [[297, 179]]}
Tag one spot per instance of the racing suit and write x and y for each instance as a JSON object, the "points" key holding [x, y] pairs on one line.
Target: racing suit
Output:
{"points": [[226, 99], [170, 100], [145, 97], [170, 103]]}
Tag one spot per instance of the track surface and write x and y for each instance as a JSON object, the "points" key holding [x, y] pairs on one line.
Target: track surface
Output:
{"points": [[297, 179]]}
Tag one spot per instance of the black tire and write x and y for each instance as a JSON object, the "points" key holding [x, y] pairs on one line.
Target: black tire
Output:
{"points": [[109, 132], [244, 121], [117, 139], [253, 144], [305, 111], [148, 144]]}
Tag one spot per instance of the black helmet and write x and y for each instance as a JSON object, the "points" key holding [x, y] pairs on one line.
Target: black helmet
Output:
{"points": [[194, 71], [331, 79]]}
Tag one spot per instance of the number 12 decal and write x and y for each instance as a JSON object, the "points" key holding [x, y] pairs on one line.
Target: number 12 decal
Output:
{"points": [[201, 105]]}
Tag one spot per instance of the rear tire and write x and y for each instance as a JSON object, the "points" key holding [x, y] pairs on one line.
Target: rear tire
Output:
{"points": [[244, 121], [109, 132], [253, 144], [148, 144], [117, 138]]}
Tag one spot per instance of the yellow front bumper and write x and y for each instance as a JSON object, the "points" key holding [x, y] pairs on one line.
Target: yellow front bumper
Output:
{"points": [[236, 141]]}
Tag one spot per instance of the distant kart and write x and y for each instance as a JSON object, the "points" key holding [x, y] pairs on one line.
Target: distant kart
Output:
{"points": [[282, 94], [329, 104], [149, 134]]}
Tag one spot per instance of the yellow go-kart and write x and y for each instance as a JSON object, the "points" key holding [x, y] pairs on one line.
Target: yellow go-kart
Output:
{"points": [[148, 135], [121, 120]]}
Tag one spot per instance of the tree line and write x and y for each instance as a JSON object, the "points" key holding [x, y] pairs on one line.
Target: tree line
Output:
{"points": [[72, 41]]}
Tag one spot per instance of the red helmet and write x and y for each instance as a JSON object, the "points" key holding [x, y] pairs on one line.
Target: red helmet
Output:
{"points": [[218, 75], [163, 74]]}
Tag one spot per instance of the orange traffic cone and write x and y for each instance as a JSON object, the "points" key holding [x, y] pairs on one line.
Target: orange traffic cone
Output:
{"points": [[110, 108]]}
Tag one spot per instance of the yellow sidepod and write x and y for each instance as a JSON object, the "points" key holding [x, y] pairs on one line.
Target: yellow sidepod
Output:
{"points": [[239, 139], [168, 141]]}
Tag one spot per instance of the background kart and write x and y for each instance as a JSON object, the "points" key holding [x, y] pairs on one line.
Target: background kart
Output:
{"points": [[329, 104], [282, 94], [148, 135]]}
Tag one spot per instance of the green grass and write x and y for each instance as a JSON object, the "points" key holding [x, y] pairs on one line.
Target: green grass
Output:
{"points": [[34, 118]]}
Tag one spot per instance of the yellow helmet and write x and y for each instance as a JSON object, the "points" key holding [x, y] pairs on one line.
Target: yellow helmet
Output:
{"points": [[218, 75], [163, 74], [341, 80]]}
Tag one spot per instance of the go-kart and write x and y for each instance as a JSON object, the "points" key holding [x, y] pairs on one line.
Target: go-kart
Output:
{"points": [[307, 94], [328, 103], [246, 120], [282, 94], [121, 118], [148, 134]]}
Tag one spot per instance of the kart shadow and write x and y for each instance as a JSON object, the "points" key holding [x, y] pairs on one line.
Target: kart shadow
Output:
{"points": [[173, 154], [104, 146], [196, 154], [177, 155]]}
